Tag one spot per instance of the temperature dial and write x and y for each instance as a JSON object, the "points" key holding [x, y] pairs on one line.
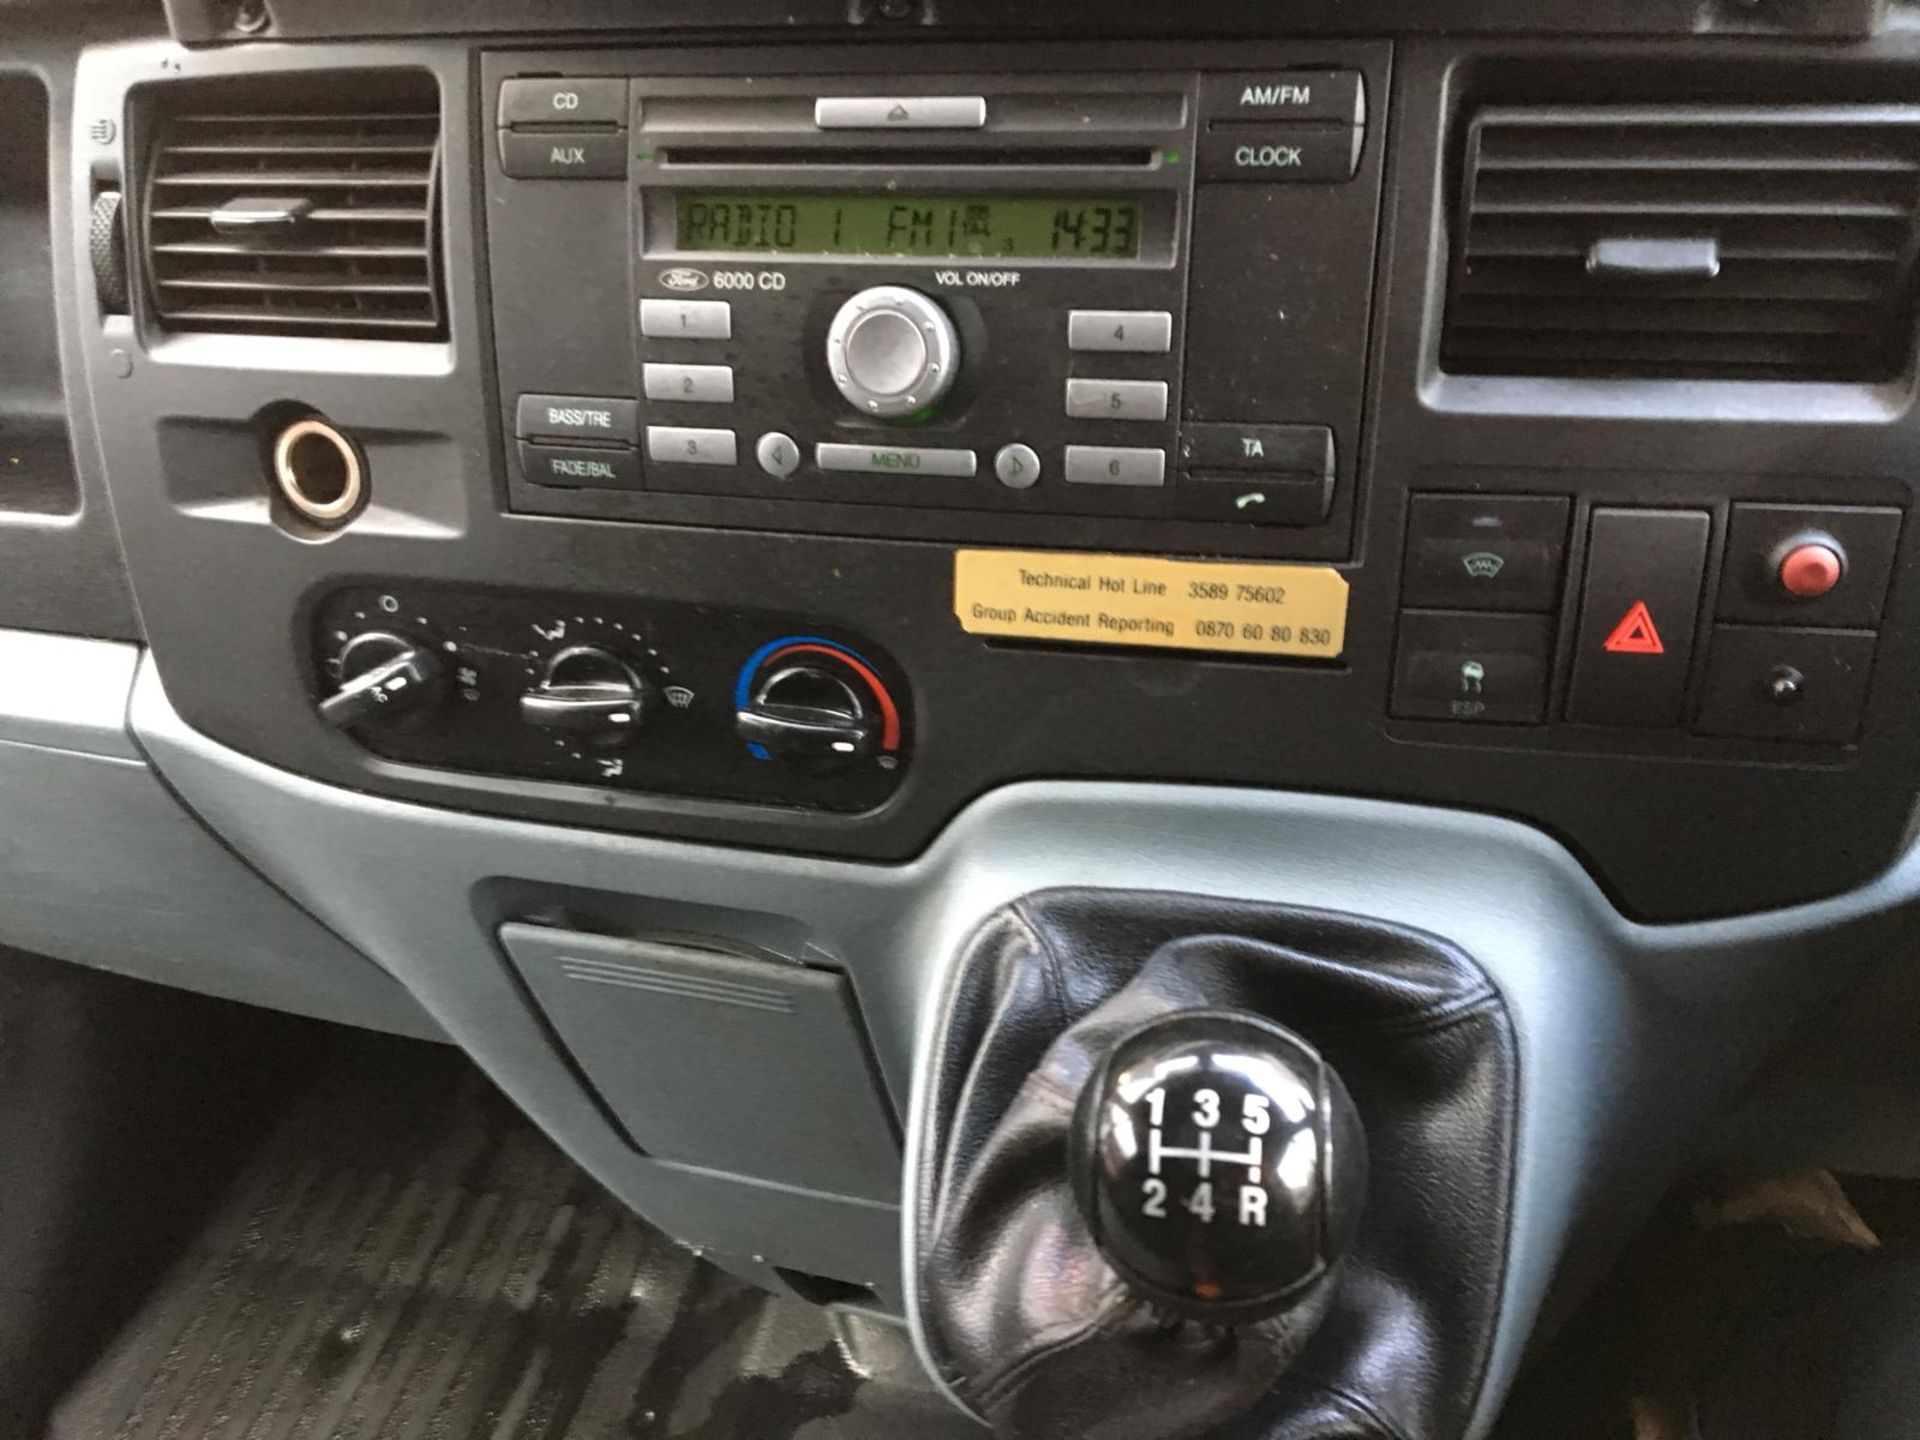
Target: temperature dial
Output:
{"points": [[592, 694], [384, 677], [1220, 1165], [892, 351]]}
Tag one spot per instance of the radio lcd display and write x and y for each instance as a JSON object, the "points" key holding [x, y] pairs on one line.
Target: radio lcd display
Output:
{"points": [[1015, 227]]}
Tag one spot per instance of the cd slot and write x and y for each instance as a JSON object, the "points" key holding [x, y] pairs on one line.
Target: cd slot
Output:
{"points": [[840, 157]]}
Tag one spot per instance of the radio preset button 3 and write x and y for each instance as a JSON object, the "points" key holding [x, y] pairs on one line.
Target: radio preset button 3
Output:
{"points": [[683, 445], [1016, 466], [1120, 332], [892, 351], [1115, 465], [694, 384], [686, 319], [1117, 399], [778, 454], [900, 112], [895, 460]]}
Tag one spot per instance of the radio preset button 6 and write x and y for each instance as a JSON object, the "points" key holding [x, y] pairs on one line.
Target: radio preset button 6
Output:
{"points": [[695, 384], [895, 460], [1016, 466], [686, 319], [777, 454], [1114, 465], [1120, 332], [1117, 399], [892, 351], [683, 445], [900, 112]]}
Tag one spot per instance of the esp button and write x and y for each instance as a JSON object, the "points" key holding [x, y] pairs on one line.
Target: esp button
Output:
{"points": [[1485, 552], [1478, 669], [1638, 607], [1278, 153]]}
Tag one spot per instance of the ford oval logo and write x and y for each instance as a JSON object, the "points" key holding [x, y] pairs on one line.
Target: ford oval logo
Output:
{"points": [[682, 278]]}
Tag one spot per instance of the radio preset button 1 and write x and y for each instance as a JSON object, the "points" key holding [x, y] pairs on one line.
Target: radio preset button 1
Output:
{"points": [[895, 460], [1117, 399], [1120, 332], [573, 417], [892, 351], [694, 384], [683, 445], [1114, 465], [900, 112], [778, 454], [597, 100], [1016, 466], [686, 319], [1270, 153], [577, 466]]}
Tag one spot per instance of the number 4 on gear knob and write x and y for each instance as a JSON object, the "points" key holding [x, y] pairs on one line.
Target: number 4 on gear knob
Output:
{"points": [[1221, 1165]]}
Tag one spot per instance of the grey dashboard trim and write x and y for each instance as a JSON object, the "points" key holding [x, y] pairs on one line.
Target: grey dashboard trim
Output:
{"points": [[66, 693], [1630, 1035]]}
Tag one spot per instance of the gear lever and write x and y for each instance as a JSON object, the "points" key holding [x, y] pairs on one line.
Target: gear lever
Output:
{"points": [[1221, 1166]]}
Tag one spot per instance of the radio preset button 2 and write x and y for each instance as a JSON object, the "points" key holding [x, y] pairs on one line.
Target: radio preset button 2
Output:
{"points": [[778, 454], [1016, 466], [1120, 332], [1115, 465], [895, 460], [1117, 399], [686, 319], [900, 112], [694, 384], [892, 351], [683, 445]]}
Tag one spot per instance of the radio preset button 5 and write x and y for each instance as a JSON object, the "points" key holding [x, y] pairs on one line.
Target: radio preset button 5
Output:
{"points": [[1016, 466], [777, 454], [683, 445], [686, 319], [694, 384], [1117, 399], [895, 460], [1114, 465], [900, 112], [892, 351], [1120, 332]]}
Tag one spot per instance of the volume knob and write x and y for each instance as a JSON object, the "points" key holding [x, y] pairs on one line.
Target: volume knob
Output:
{"points": [[892, 351]]}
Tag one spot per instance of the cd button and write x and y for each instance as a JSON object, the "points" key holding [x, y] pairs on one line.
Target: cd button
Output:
{"points": [[683, 445], [686, 319], [693, 384], [1117, 399], [1114, 465], [598, 100], [894, 460], [1120, 332]]}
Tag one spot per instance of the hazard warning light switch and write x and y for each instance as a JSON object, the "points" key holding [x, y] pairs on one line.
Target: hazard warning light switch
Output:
{"points": [[1639, 604]]}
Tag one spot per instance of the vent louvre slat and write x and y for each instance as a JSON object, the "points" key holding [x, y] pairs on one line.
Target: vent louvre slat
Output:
{"points": [[1812, 209], [362, 262]]}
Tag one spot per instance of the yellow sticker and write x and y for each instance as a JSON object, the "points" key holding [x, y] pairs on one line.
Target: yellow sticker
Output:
{"points": [[1243, 606]]}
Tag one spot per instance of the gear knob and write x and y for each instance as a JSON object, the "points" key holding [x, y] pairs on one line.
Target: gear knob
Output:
{"points": [[1220, 1164]]}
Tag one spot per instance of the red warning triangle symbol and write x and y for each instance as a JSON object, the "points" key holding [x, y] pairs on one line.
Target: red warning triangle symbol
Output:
{"points": [[1636, 634]]}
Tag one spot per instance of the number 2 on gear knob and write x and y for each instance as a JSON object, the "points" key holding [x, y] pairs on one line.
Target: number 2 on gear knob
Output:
{"points": [[1220, 1164]]}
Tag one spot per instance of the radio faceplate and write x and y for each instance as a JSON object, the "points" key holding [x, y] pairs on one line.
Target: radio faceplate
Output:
{"points": [[956, 307]]}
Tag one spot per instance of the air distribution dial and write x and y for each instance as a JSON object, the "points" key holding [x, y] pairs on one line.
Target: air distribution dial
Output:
{"points": [[1220, 1165], [591, 693], [892, 351]]}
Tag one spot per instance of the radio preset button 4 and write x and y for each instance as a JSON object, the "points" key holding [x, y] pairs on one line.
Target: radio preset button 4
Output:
{"points": [[895, 460], [778, 454], [1120, 332], [900, 112], [682, 445], [1117, 399], [686, 319], [694, 384], [1115, 465]]}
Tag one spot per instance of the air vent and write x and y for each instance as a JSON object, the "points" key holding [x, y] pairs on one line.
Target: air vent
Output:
{"points": [[308, 208], [1686, 242]]}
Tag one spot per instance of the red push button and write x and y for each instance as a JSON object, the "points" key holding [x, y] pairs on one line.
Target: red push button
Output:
{"points": [[1810, 569]]}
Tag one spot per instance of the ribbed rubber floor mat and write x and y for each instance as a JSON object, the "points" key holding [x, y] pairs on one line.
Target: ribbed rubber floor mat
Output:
{"points": [[409, 1258]]}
